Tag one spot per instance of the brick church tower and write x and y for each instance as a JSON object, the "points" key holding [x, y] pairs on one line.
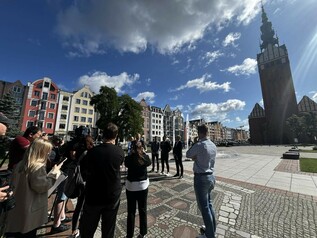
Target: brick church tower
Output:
{"points": [[277, 89]]}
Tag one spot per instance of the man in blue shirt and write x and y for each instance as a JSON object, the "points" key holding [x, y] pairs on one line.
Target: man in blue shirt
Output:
{"points": [[203, 152]]}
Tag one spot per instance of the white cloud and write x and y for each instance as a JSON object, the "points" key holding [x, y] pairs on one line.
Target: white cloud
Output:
{"points": [[203, 85], [231, 38], [174, 98], [147, 96], [98, 79], [314, 97], [91, 27], [216, 112], [211, 56], [248, 67]]}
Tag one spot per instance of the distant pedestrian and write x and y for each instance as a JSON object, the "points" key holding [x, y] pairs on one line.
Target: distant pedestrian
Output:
{"points": [[137, 188], [203, 152], [165, 149], [103, 185], [178, 154], [155, 147], [130, 142]]}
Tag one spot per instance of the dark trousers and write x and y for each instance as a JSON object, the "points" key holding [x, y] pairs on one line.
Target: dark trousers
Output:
{"points": [[179, 165], [91, 216], [155, 156], [164, 159], [78, 211], [134, 197]]}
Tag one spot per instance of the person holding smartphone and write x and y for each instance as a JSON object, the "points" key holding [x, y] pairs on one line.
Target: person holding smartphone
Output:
{"points": [[30, 183]]}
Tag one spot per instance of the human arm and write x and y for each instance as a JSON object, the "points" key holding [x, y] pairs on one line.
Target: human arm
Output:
{"points": [[40, 181], [192, 152]]}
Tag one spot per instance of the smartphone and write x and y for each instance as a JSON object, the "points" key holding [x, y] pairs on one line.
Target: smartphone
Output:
{"points": [[62, 161]]}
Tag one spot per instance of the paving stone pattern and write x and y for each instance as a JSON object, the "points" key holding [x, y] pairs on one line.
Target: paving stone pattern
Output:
{"points": [[242, 209]]}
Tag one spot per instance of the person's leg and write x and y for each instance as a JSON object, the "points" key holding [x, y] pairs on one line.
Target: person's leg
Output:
{"points": [[142, 206], [89, 220], [177, 166], [203, 184], [108, 221], [167, 164], [131, 204], [153, 162], [77, 211], [180, 163], [59, 209], [157, 163], [162, 162]]}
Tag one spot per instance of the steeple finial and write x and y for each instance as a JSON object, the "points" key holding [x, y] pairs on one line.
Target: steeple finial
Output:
{"points": [[268, 33]]}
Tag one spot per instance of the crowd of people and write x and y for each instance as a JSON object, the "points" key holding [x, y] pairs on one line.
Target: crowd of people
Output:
{"points": [[37, 162]]}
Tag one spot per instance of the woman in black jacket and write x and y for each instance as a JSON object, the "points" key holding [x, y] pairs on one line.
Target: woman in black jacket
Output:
{"points": [[137, 188]]}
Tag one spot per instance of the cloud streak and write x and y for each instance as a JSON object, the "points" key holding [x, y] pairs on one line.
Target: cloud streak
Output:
{"points": [[203, 85], [216, 111], [98, 79], [247, 67]]}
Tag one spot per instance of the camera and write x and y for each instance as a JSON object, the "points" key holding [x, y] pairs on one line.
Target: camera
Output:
{"points": [[8, 204]]}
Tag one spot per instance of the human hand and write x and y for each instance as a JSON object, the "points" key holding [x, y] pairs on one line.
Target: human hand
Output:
{"points": [[57, 167], [4, 195]]}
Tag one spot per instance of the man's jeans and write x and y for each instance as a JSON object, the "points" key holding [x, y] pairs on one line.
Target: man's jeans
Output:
{"points": [[203, 184]]}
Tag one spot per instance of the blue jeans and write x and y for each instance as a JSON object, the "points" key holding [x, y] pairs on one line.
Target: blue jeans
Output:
{"points": [[203, 184]]}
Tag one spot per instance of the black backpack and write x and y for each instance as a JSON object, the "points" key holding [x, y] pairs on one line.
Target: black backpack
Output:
{"points": [[75, 185]]}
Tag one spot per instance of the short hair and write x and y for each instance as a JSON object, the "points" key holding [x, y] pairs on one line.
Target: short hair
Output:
{"points": [[178, 137], [202, 129], [31, 130], [110, 132]]}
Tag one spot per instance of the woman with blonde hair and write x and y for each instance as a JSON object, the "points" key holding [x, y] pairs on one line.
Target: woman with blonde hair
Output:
{"points": [[31, 183]]}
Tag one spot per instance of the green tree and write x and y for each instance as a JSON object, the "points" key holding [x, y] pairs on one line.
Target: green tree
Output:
{"points": [[295, 125], [130, 120], [106, 103], [310, 125], [12, 110], [121, 110]]}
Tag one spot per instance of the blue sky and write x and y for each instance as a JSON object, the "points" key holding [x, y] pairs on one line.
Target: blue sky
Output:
{"points": [[197, 55]]}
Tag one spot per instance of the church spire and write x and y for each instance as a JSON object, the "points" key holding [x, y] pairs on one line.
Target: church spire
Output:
{"points": [[268, 33]]}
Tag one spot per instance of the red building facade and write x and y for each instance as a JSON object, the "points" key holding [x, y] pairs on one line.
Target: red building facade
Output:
{"points": [[41, 105]]}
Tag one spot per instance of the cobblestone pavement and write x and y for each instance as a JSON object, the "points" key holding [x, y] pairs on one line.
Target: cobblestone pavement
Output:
{"points": [[243, 209]]}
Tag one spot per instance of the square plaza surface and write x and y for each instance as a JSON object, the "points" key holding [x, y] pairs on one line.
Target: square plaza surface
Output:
{"points": [[257, 194]]}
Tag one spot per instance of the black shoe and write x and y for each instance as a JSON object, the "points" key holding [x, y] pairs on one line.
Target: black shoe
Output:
{"points": [[176, 175], [66, 220], [180, 177], [59, 229]]}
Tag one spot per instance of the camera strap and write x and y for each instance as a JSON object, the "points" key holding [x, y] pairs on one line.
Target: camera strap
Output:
{"points": [[4, 159]]}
